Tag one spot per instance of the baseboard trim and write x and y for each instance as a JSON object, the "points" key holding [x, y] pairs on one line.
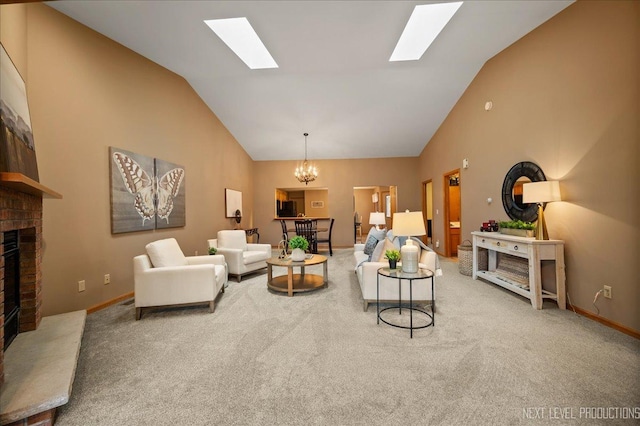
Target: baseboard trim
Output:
{"points": [[617, 326], [108, 303]]}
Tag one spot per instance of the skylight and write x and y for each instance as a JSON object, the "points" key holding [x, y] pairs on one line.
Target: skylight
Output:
{"points": [[424, 25], [239, 35]]}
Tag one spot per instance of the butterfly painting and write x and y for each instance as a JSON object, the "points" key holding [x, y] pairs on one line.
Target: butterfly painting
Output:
{"points": [[145, 193]]}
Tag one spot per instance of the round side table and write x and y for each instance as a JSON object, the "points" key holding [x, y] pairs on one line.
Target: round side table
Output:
{"points": [[422, 274]]}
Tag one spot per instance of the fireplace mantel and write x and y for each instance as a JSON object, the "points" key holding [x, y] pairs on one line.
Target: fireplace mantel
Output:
{"points": [[22, 183]]}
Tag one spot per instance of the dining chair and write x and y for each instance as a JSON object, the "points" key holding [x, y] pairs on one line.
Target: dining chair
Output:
{"points": [[305, 229], [285, 233], [328, 239]]}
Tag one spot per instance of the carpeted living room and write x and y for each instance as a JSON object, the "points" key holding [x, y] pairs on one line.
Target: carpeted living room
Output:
{"points": [[318, 358], [149, 127]]}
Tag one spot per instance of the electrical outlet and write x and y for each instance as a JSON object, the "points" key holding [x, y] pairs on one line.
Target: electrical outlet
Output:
{"points": [[607, 292], [81, 286], [107, 279], [196, 252], [437, 243]]}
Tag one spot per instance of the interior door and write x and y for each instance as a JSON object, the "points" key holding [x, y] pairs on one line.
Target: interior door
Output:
{"points": [[452, 212], [427, 208]]}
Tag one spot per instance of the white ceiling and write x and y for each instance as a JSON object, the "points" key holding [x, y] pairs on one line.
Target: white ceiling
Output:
{"points": [[334, 79]]}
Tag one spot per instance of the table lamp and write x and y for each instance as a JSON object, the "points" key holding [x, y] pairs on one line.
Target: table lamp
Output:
{"points": [[377, 218], [541, 192], [409, 224]]}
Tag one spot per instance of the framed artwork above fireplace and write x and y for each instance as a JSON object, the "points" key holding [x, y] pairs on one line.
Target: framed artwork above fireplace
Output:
{"points": [[17, 148]]}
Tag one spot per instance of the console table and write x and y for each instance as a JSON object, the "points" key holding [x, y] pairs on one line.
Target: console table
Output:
{"points": [[534, 251], [253, 231]]}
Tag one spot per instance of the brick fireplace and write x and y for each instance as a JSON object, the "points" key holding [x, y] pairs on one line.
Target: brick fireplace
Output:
{"points": [[22, 211]]}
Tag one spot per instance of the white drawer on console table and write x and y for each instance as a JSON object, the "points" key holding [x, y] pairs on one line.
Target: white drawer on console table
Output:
{"points": [[515, 248], [531, 249]]}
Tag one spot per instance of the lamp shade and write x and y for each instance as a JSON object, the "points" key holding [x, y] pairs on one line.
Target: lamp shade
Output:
{"points": [[541, 192], [377, 218], [408, 224]]}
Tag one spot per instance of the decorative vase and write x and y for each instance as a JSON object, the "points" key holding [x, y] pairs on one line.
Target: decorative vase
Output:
{"points": [[392, 264], [298, 255]]}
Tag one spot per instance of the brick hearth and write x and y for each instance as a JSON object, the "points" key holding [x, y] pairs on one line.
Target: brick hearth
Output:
{"points": [[22, 211]]}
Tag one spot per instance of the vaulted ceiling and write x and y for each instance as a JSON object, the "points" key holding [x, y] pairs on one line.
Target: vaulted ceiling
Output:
{"points": [[334, 78]]}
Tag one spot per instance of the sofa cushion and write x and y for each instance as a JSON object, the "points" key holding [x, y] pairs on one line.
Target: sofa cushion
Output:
{"points": [[249, 257], [165, 252], [378, 233], [395, 240], [375, 255], [386, 245], [233, 239], [370, 245]]}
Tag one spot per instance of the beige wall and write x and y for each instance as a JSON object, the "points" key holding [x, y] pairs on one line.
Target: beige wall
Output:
{"points": [[566, 97], [87, 93], [339, 177], [316, 195]]}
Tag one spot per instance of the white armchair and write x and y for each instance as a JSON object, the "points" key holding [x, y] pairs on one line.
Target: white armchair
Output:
{"points": [[242, 257], [165, 276]]}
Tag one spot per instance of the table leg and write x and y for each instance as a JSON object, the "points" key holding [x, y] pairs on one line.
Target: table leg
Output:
{"points": [[290, 281], [269, 273], [411, 308], [433, 306], [378, 297], [560, 278], [535, 281], [399, 296], [325, 272]]}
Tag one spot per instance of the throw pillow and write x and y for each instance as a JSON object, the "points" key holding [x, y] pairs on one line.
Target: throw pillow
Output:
{"points": [[395, 240], [378, 233], [376, 252], [165, 253], [370, 245], [388, 245]]}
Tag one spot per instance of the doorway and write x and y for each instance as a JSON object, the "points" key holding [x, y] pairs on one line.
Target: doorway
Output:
{"points": [[369, 199], [452, 213], [427, 208]]}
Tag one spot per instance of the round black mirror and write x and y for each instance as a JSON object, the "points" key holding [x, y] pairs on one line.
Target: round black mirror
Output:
{"points": [[521, 173]]}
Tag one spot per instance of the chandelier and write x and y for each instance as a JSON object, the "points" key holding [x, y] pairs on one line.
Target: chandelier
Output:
{"points": [[306, 173]]}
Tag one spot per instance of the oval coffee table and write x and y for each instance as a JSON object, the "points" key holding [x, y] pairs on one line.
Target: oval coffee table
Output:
{"points": [[294, 283]]}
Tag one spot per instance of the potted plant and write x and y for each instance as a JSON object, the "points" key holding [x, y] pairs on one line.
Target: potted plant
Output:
{"points": [[518, 228], [212, 250], [393, 256], [298, 246]]}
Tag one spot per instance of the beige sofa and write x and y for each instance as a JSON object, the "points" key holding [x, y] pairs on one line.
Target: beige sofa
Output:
{"points": [[367, 271]]}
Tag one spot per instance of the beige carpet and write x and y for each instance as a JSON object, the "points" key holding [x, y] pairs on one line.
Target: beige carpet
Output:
{"points": [[264, 358]]}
